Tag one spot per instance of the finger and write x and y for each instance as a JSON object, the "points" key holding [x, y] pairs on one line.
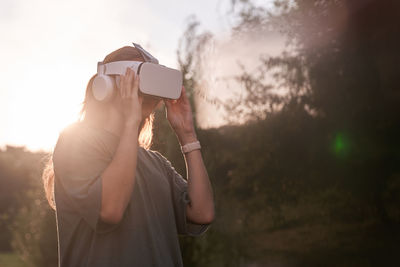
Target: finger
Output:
{"points": [[172, 102], [181, 97], [121, 84], [135, 88], [129, 82], [125, 83], [167, 103], [183, 94], [129, 88]]}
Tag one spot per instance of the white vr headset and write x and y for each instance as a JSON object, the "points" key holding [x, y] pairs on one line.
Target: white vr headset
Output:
{"points": [[155, 80]]}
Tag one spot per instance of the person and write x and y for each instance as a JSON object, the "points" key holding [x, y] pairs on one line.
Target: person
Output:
{"points": [[117, 202]]}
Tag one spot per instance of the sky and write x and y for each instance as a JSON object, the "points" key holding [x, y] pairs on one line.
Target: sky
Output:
{"points": [[50, 48]]}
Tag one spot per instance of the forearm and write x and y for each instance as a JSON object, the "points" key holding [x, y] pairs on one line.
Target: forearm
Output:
{"points": [[201, 209], [119, 177]]}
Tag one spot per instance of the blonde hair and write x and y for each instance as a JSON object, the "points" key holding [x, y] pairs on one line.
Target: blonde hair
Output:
{"points": [[146, 129]]}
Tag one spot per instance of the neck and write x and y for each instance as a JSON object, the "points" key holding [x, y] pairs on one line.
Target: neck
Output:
{"points": [[107, 119]]}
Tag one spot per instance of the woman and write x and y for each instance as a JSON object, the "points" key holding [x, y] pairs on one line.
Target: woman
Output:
{"points": [[117, 202]]}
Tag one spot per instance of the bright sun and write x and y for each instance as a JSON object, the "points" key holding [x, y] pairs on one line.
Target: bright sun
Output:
{"points": [[40, 106]]}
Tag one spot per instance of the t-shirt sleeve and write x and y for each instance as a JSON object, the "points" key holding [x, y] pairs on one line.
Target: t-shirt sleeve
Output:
{"points": [[180, 201], [78, 165]]}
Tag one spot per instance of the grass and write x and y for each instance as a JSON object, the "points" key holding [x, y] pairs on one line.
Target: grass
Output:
{"points": [[11, 259]]}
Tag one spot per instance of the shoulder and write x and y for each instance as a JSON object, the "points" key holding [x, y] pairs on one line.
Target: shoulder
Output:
{"points": [[82, 135], [71, 137], [73, 132], [157, 158], [75, 142], [153, 155], [78, 131], [160, 160]]}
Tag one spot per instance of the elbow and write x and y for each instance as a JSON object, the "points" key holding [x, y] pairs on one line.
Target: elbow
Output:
{"points": [[111, 216], [209, 217], [209, 214], [112, 210], [200, 216], [205, 217]]}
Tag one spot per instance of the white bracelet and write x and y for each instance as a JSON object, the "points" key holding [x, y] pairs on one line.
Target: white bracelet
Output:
{"points": [[190, 147]]}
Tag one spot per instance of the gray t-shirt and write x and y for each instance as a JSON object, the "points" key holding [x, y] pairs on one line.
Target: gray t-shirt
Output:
{"points": [[148, 233]]}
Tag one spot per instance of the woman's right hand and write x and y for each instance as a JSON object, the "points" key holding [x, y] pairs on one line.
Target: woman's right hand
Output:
{"points": [[131, 101], [118, 179]]}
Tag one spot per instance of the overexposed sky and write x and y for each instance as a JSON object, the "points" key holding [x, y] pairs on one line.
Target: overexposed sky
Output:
{"points": [[49, 49]]}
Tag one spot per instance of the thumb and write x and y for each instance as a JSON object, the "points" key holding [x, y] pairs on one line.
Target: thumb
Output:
{"points": [[167, 103]]}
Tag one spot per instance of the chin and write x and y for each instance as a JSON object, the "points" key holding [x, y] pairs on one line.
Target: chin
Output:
{"points": [[148, 106]]}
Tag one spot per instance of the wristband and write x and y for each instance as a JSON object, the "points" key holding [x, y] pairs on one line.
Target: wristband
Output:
{"points": [[190, 147]]}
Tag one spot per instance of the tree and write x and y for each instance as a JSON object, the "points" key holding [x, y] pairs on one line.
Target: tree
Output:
{"points": [[331, 137]]}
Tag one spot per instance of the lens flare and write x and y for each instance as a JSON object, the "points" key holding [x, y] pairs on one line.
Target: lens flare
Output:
{"points": [[341, 145]]}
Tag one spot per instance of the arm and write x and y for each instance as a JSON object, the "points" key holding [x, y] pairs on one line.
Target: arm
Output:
{"points": [[118, 178], [201, 208]]}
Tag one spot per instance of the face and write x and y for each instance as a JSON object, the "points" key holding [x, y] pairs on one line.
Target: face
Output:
{"points": [[149, 104]]}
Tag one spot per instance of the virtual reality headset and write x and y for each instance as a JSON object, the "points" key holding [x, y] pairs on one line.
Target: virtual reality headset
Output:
{"points": [[155, 80]]}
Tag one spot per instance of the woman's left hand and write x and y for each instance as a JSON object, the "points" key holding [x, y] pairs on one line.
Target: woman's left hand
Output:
{"points": [[180, 117]]}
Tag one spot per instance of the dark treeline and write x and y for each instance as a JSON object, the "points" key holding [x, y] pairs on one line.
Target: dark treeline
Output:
{"points": [[311, 179]]}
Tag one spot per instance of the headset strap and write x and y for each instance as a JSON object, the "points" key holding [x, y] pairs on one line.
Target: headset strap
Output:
{"points": [[117, 67], [146, 55]]}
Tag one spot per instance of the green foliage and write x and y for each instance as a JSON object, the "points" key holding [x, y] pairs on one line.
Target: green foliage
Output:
{"points": [[11, 259], [18, 169], [28, 223], [313, 181], [313, 173], [34, 231]]}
